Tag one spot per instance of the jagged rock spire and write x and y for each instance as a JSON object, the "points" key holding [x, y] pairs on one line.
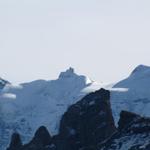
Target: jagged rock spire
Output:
{"points": [[16, 142]]}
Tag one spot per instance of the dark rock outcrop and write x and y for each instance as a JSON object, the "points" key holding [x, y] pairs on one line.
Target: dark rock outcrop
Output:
{"points": [[87, 123], [133, 134], [42, 137], [15, 142], [3, 83], [41, 141], [126, 118]]}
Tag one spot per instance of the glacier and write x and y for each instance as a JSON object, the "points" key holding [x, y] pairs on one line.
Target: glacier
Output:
{"points": [[136, 94], [25, 107]]}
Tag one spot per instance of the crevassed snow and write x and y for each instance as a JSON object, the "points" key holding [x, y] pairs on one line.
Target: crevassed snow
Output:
{"points": [[25, 107], [136, 94]]}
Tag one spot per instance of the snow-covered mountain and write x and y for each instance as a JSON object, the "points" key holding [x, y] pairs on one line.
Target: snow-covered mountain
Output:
{"points": [[25, 107], [133, 93]]}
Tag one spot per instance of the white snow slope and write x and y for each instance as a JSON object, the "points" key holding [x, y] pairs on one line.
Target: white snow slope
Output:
{"points": [[134, 93], [26, 107]]}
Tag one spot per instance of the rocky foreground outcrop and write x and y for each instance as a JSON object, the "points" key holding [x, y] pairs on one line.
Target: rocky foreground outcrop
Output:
{"points": [[85, 124], [89, 125], [133, 134]]}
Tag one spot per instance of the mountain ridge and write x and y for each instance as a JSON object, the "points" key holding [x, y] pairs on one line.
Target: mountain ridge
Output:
{"points": [[20, 106], [136, 97]]}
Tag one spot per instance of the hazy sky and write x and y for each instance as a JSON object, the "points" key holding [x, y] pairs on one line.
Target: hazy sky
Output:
{"points": [[104, 39]]}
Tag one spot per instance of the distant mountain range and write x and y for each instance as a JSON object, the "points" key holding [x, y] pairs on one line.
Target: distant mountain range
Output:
{"points": [[72, 114]]}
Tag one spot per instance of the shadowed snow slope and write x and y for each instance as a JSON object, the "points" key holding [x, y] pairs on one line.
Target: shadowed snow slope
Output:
{"points": [[136, 97], [25, 107]]}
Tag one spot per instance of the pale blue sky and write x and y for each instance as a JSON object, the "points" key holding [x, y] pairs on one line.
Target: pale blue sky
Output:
{"points": [[104, 39]]}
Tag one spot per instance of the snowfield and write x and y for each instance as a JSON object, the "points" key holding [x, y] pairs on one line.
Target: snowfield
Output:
{"points": [[25, 107], [136, 94]]}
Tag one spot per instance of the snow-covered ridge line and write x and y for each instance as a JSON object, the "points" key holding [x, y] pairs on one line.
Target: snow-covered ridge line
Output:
{"points": [[137, 96], [25, 107]]}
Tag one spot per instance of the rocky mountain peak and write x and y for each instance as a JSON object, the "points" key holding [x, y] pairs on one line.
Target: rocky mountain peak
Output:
{"points": [[3, 83], [126, 118], [16, 142], [87, 122], [42, 135], [140, 69]]}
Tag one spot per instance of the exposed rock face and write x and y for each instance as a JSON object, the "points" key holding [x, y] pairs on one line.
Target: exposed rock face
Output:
{"points": [[87, 123], [41, 141], [3, 83], [15, 142], [133, 134], [126, 118]]}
